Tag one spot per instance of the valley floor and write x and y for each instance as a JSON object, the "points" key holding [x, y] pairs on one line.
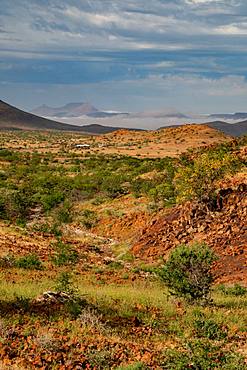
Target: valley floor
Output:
{"points": [[82, 236]]}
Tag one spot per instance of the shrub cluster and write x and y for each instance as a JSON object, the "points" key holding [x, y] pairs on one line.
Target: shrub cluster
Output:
{"points": [[187, 272]]}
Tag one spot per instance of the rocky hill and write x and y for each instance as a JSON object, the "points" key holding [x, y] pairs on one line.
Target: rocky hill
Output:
{"points": [[221, 225]]}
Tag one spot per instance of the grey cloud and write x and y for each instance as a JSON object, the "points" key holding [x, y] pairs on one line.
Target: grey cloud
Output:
{"points": [[65, 24], [103, 41]]}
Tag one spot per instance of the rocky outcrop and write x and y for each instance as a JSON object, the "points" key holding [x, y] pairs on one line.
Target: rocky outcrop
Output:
{"points": [[221, 224]]}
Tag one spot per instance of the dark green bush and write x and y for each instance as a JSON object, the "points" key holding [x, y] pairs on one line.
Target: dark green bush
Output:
{"points": [[75, 303], [89, 218], [235, 290], [202, 355], [64, 212], [208, 328], [187, 272], [64, 254], [64, 283], [29, 262]]}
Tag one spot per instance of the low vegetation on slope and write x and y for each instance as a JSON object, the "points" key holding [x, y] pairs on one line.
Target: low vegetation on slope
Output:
{"points": [[72, 294], [32, 181]]}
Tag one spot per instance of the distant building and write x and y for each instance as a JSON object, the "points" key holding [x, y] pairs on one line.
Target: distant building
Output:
{"points": [[85, 146]]}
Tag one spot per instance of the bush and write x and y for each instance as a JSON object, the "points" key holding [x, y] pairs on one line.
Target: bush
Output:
{"points": [[14, 204], [75, 303], [187, 272], [64, 213], [208, 328], [7, 261], [89, 218], [64, 283], [29, 262], [202, 355], [235, 290], [64, 254], [195, 177]]}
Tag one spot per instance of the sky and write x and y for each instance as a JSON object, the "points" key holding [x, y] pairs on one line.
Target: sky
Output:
{"points": [[125, 55]]}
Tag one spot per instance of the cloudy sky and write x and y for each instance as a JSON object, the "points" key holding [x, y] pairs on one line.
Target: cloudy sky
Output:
{"points": [[134, 55]]}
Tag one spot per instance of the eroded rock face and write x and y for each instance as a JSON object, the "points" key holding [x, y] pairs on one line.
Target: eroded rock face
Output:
{"points": [[222, 225]]}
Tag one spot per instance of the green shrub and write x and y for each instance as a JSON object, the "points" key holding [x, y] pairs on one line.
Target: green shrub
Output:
{"points": [[208, 328], [101, 359], [14, 204], [29, 262], [195, 176], [47, 228], [89, 218], [64, 213], [163, 193], [187, 272], [64, 283], [64, 254], [75, 303], [235, 290], [202, 355], [116, 265]]}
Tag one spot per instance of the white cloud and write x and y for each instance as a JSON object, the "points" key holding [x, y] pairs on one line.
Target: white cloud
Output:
{"points": [[117, 25], [204, 1], [233, 29]]}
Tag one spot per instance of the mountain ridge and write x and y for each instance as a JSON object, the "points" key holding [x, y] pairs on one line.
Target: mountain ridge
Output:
{"points": [[232, 129], [12, 118], [67, 110]]}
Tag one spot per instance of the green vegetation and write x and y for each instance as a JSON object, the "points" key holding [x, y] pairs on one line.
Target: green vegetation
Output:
{"points": [[198, 171], [65, 254], [29, 262], [202, 355], [38, 183], [187, 273], [235, 290], [199, 338], [115, 311]]}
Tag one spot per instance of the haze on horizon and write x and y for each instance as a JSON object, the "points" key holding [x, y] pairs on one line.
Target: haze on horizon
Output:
{"points": [[187, 55]]}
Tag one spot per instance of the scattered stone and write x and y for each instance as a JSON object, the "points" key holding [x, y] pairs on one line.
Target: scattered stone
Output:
{"points": [[53, 297]]}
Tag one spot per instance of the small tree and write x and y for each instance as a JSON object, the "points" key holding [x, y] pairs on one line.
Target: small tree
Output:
{"points": [[187, 272]]}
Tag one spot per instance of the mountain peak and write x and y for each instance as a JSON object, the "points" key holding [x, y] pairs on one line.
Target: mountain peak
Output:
{"points": [[68, 110]]}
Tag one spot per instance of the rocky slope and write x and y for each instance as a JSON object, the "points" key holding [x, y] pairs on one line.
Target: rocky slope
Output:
{"points": [[221, 225]]}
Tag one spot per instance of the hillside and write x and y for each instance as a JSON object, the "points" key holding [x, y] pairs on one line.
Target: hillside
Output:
{"points": [[222, 227], [81, 236], [233, 129], [12, 118], [171, 141]]}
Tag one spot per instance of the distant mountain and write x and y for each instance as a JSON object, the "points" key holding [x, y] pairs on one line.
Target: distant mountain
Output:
{"points": [[233, 116], [68, 110], [12, 118], [233, 129]]}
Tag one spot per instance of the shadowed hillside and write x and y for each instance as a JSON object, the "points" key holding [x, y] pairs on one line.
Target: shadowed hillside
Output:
{"points": [[234, 129], [12, 118]]}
